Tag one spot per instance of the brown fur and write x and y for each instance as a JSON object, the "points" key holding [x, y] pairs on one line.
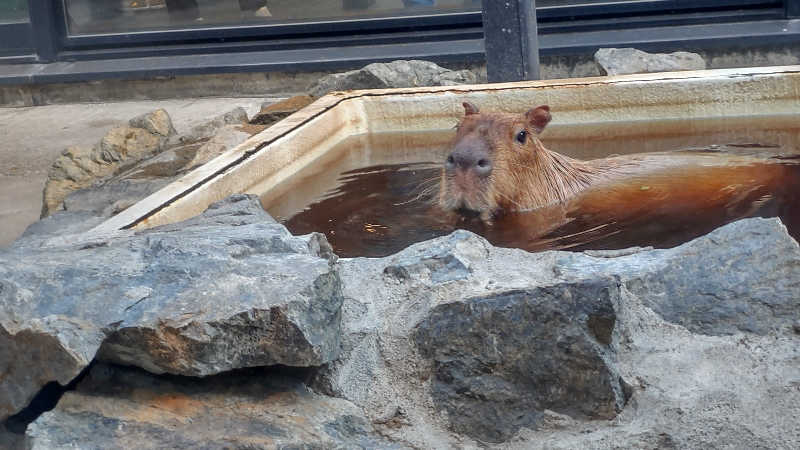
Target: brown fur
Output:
{"points": [[527, 176], [524, 175]]}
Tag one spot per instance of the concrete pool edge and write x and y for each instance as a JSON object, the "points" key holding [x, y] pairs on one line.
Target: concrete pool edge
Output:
{"points": [[275, 154]]}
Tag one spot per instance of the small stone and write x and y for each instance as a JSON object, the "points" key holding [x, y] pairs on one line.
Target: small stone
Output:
{"points": [[156, 122], [227, 137], [236, 116], [622, 61], [395, 74], [263, 12]]}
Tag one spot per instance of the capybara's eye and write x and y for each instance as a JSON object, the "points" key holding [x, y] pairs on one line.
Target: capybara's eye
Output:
{"points": [[521, 136]]}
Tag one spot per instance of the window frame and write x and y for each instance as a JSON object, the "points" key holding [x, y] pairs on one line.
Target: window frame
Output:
{"points": [[51, 41], [422, 22]]}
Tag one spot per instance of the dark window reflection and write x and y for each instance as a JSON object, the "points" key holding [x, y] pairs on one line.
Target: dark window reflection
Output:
{"points": [[114, 16], [13, 11]]}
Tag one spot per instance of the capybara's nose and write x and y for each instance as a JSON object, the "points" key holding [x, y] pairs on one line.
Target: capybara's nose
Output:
{"points": [[469, 160]]}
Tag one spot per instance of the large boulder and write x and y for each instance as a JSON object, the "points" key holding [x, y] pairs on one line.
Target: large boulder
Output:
{"points": [[623, 61], [742, 278], [227, 290], [488, 339], [395, 74], [501, 360], [501, 345], [449, 343]]}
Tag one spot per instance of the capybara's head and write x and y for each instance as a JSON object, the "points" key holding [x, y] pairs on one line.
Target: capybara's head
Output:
{"points": [[481, 172]]}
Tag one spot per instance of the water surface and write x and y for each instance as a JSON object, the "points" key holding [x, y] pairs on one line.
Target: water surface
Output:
{"points": [[375, 195]]}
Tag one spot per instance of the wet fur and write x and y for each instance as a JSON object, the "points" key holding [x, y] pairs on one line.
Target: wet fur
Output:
{"points": [[525, 175]]}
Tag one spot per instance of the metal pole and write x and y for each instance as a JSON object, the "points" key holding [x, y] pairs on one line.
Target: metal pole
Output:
{"points": [[510, 39], [44, 29], [529, 39]]}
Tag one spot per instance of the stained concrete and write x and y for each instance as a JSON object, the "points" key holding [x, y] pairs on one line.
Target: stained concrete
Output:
{"points": [[32, 137]]}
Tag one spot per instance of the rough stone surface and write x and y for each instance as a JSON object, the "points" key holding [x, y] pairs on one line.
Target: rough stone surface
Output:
{"points": [[622, 61], [227, 137], [11, 441], [502, 359], [451, 343], [109, 199], [112, 195], [437, 338], [157, 122], [116, 407], [395, 74], [198, 298], [742, 289], [119, 149], [236, 116]]}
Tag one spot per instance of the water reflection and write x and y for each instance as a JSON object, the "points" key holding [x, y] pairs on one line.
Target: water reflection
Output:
{"points": [[114, 16]]}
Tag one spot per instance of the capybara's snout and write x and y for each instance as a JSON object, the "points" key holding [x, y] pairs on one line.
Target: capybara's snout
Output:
{"points": [[469, 156]]}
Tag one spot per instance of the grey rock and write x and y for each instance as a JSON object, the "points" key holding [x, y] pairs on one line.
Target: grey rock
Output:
{"points": [[236, 116], [60, 223], [39, 350], [196, 299], [116, 407], [502, 359], [111, 196], [622, 61], [393, 74], [236, 210], [450, 332], [479, 335], [166, 164], [740, 278], [227, 137], [12, 441], [114, 197]]}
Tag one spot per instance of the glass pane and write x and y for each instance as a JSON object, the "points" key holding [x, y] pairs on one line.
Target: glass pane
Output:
{"points": [[119, 16], [13, 11], [543, 3]]}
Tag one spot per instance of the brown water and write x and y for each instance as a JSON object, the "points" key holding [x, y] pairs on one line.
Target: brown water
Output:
{"points": [[368, 204]]}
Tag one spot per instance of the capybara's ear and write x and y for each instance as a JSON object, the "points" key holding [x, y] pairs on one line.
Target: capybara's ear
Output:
{"points": [[469, 108], [539, 117]]}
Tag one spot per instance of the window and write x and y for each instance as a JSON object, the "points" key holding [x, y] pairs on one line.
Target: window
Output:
{"points": [[15, 28], [97, 16], [12, 11]]}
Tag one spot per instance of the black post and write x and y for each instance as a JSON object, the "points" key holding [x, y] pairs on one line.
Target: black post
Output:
{"points": [[510, 40], [43, 24], [792, 8]]}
